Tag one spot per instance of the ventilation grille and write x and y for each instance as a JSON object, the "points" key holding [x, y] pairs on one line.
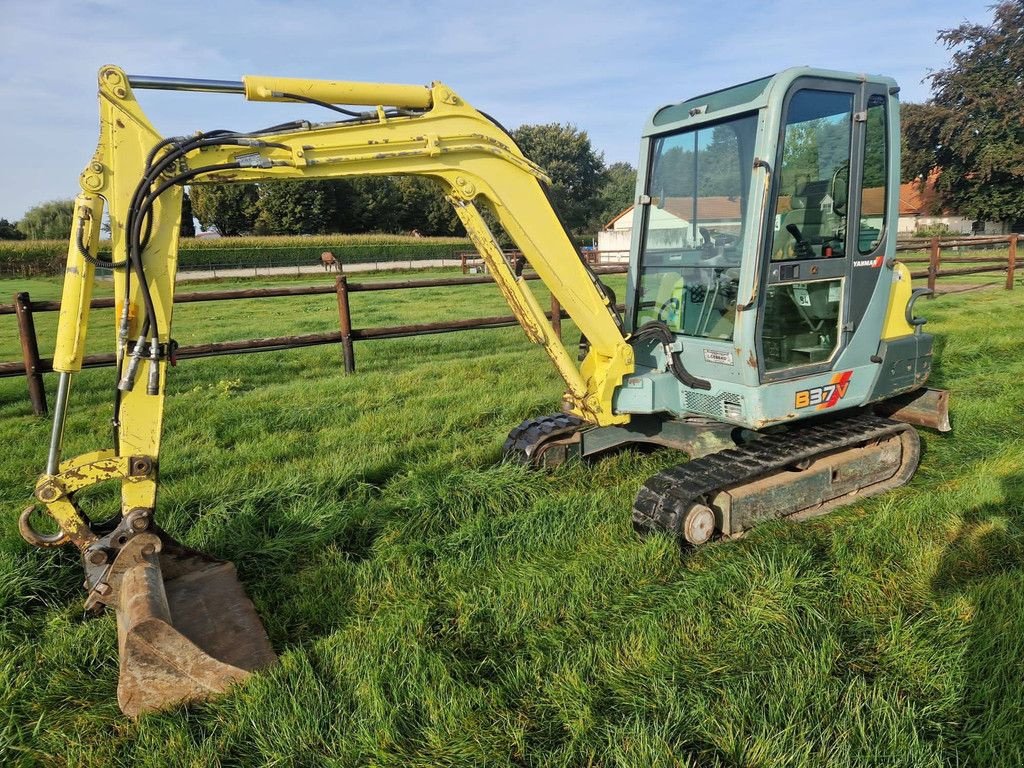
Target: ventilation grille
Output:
{"points": [[723, 405]]}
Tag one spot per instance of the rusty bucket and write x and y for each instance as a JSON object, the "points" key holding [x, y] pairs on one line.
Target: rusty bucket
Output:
{"points": [[186, 629]]}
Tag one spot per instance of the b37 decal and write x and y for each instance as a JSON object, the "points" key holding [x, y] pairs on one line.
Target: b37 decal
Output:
{"points": [[825, 396]]}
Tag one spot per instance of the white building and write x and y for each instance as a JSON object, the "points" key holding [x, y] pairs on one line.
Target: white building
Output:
{"points": [[723, 214]]}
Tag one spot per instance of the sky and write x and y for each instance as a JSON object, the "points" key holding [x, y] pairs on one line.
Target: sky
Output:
{"points": [[601, 66]]}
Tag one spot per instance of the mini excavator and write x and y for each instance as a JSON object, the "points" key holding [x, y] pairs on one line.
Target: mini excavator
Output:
{"points": [[768, 332]]}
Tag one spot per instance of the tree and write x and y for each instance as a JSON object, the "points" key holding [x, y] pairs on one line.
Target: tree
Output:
{"points": [[424, 208], [565, 154], [375, 205], [920, 126], [618, 188], [970, 133], [9, 231], [231, 208], [48, 221], [296, 208]]}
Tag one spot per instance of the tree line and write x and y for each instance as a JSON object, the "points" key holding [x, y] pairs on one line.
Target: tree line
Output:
{"points": [[585, 192]]}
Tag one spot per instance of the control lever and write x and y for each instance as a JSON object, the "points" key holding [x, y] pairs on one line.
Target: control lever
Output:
{"points": [[803, 248]]}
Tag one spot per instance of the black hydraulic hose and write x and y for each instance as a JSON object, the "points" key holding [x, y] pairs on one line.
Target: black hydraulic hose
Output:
{"points": [[324, 104], [395, 112], [292, 125], [146, 212], [150, 322], [665, 335], [186, 176], [132, 247], [94, 260], [213, 138], [140, 213], [139, 209]]}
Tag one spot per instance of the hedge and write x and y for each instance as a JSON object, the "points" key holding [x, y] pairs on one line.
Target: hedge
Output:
{"points": [[37, 257]]}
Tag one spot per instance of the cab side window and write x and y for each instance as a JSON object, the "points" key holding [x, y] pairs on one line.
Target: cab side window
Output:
{"points": [[873, 197], [813, 189]]}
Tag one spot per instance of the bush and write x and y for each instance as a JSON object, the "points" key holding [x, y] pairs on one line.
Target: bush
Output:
{"points": [[41, 257], [935, 230]]}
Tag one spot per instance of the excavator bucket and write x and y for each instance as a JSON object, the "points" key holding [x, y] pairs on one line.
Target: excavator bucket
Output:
{"points": [[186, 629]]}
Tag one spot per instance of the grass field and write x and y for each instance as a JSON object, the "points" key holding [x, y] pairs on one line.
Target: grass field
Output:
{"points": [[432, 607]]}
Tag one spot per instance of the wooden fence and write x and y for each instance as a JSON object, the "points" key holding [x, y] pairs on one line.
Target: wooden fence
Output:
{"points": [[32, 366], [959, 251]]}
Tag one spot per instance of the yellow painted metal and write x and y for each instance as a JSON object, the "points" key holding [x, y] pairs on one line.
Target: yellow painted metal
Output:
{"points": [[524, 303], [259, 88], [126, 138], [896, 324], [83, 471], [79, 276], [477, 164], [472, 158]]}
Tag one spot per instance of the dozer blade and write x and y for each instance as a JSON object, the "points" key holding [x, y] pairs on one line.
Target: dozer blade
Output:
{"points": [[186, 629], [922, 408]]}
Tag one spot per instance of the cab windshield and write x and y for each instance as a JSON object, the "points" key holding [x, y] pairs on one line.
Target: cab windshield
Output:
{"points": [[694, 228]]}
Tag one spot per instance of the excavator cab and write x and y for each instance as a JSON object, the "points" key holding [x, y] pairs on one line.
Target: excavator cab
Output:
{"points": [[773, 328], [765, 241]]}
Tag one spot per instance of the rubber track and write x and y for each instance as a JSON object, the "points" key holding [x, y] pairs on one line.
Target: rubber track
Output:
{"points": [[528, 436], [665, 498]]}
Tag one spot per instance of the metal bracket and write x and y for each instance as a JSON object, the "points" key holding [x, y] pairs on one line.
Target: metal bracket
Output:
{"points": [[57, 491], [104, 584]]}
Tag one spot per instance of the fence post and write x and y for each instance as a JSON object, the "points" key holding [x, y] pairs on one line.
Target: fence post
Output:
{"points": [[1011, 262], [934, 260], [556, 316], [348, 353], [30, 352]]}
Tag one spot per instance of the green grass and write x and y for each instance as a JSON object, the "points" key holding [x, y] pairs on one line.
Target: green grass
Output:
{"points": [[432, 607]]}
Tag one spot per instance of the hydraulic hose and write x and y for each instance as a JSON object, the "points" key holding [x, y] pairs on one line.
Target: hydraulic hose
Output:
{"points": [[664, 334]]}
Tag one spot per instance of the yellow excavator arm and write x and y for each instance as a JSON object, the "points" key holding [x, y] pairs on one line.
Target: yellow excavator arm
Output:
{"points": [[139, 176], [434, 133]]}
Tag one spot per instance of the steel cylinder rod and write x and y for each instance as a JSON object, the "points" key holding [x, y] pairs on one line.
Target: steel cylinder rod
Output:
{"points": [[185, 84], [59, 412]]}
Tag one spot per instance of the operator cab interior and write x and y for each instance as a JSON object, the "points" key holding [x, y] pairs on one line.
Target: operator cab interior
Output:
{"points": [[694, 229]]}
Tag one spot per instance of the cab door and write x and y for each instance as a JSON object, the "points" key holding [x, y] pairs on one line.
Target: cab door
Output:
{"points": [[817, 237]]}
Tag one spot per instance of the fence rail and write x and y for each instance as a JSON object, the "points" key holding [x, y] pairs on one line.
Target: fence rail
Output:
{"points": [[32, 366], [981, 264]]}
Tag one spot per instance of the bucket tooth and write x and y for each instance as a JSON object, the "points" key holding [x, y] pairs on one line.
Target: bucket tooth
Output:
{"points": [[186, 629]]}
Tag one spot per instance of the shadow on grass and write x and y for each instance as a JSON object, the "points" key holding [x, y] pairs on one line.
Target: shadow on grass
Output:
{"points": [[983, 567]]}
